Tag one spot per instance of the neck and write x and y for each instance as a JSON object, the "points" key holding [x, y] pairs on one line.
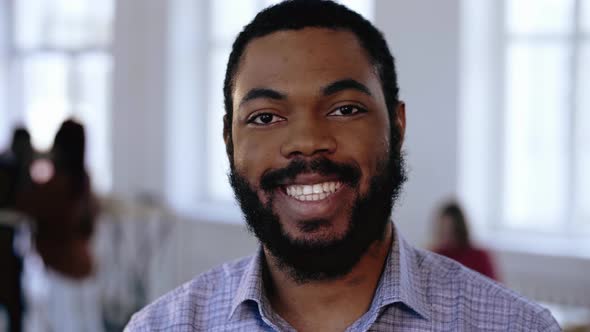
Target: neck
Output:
{"points": [[328, 305]]}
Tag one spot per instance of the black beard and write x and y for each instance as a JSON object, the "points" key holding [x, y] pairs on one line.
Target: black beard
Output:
{"points": [[325, 259]]}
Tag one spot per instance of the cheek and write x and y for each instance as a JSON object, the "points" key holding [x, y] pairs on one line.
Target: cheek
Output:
{"points": [[369, 148], [252, 156]]}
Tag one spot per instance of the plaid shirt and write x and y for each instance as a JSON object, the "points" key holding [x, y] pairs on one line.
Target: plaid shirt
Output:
{"points": [[418, 291]]}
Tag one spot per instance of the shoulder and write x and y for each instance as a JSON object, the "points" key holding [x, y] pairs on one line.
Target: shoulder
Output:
{"points": [[466, 296], [198, 304]]}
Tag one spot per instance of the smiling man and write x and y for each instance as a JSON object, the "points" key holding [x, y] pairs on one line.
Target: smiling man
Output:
{"points": [[314, 131]]}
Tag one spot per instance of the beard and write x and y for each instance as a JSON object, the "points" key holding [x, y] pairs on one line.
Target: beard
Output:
{"points": [[308, 260]]}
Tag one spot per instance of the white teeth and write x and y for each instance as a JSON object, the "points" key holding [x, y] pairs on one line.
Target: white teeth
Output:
{"points": [[318, 188], [314, 192]]}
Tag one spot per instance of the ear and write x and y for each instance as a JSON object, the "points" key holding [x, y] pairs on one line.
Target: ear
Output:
{"points": [[400, 121]]}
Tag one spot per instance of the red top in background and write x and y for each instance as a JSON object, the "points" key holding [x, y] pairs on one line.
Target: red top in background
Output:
{"points": [[476, 259]]}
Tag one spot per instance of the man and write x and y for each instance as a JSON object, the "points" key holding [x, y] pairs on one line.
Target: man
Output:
{"points": [[313, 131]]}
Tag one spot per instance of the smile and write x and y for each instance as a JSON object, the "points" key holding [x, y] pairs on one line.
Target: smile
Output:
{"points": [[313, 192]]}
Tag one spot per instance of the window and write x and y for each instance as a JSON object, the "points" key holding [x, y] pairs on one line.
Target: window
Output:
{"points": [[544, 183], [225, 24], [525, 115], [60, 65]]}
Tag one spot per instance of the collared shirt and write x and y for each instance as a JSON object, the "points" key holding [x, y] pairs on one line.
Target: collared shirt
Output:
{"points": [[418, 291]]}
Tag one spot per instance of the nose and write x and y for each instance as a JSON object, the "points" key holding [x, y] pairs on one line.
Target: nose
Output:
{"points": [[308, 137]]}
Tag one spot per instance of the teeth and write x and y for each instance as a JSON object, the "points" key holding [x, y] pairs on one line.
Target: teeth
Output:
{"points": [[318, 188], [314, 192]]}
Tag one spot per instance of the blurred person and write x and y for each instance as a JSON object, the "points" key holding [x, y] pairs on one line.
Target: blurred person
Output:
{"points": [[11, 266], [14, 177], [452, 240], [64, 207], [14, 167], [314, 132], [11, 295]]}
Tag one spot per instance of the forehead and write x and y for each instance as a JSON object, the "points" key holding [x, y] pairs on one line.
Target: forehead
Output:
{"points": [[303, 59]]}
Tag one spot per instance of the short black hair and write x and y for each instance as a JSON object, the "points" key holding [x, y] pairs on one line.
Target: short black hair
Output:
{"points": [[299, 14]]}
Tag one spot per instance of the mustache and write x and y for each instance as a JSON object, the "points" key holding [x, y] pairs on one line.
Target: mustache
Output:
{"points": [[347, 173]]}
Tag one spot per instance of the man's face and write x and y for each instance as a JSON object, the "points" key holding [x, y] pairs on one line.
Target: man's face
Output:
{"points": [[311, 146]]}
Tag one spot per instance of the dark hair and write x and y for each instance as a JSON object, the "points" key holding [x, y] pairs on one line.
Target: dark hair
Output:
{"points": [[20, 133], [299, 14], [454, 212], [69, 147], [21, 139]]}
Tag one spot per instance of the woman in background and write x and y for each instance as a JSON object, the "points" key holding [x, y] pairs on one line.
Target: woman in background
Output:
{"points": [[64, 208], [453, 241]]}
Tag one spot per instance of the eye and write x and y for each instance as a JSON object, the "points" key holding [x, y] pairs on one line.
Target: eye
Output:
{"points": [[263, 119], [347, 110]]}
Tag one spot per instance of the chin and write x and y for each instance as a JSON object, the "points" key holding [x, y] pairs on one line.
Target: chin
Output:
{"points": [[318, 231]]}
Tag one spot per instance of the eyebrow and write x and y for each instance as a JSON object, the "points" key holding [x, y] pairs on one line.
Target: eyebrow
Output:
{"points": [[345, 84], [262, 93], [330, 89]]}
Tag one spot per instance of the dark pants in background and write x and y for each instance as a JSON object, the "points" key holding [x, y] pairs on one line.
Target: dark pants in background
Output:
{"points": [[11, 266]]}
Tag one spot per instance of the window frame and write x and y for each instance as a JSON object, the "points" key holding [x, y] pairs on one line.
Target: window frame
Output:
{"points": [[572, 43], [481, 186]]}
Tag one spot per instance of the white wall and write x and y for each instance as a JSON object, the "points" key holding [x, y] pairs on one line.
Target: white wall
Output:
{"points": [[139, 101], [423, 36], [196, 246]]}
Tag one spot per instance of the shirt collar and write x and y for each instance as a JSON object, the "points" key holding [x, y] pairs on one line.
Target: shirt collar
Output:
{"points": [[250, 287], [401, 281]]}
